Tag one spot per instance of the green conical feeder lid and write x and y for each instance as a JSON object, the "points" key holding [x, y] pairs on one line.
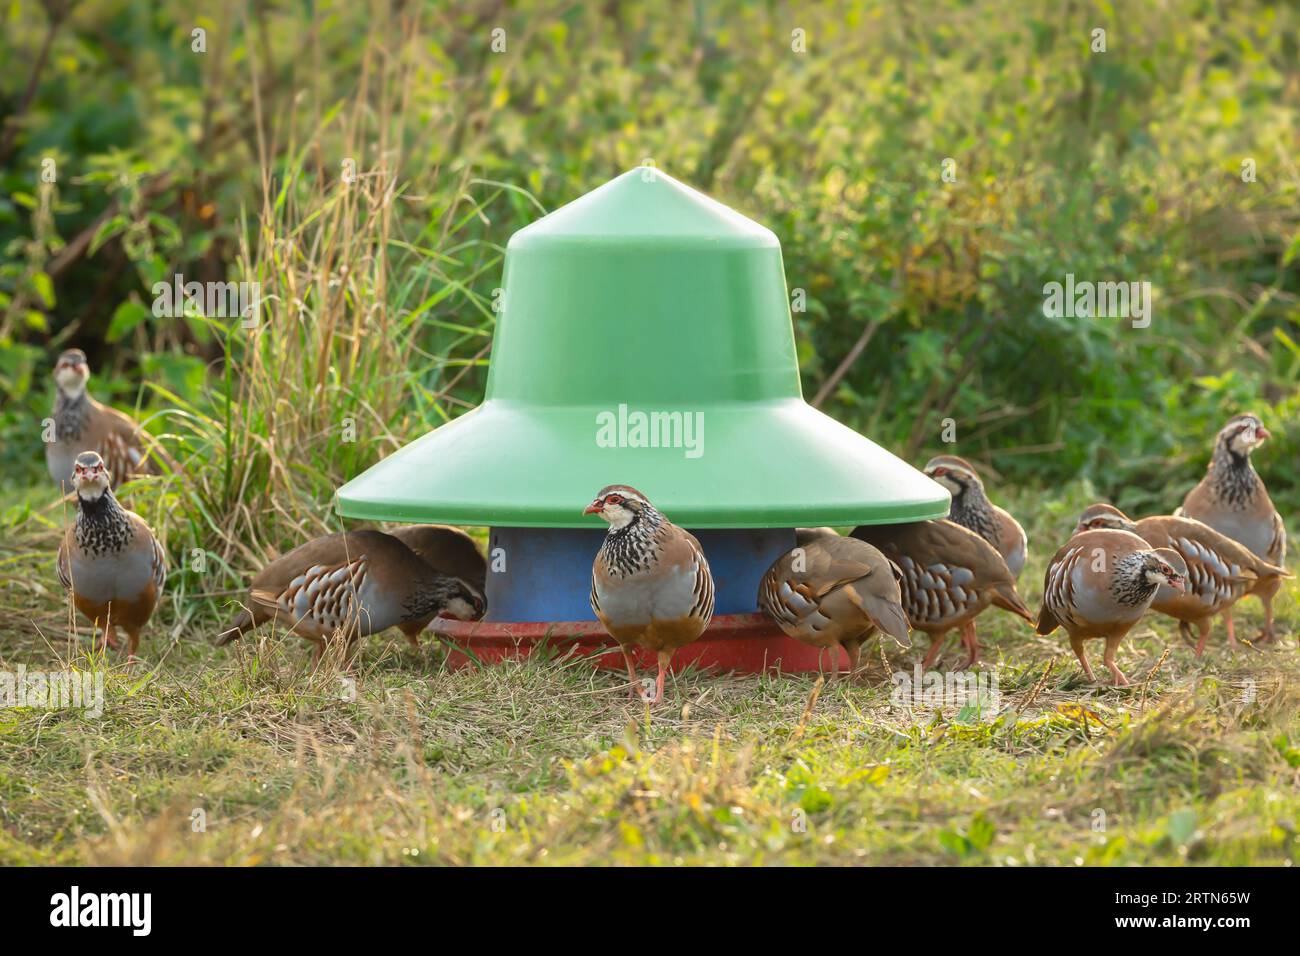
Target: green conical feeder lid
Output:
{"points": [[645, 339]]}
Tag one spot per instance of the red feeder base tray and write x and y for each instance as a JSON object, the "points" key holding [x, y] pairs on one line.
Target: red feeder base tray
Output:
{"points": [[745, 643]]}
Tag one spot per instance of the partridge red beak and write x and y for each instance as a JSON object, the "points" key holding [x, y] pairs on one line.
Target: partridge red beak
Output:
{"points": [[593, 508], [1261, 432]]}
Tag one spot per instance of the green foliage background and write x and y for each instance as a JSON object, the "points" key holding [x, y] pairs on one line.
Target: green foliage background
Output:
{"points": [[1122, 165]]}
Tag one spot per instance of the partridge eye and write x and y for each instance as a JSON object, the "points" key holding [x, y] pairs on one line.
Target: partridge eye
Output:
{"points": [[614, 500]]}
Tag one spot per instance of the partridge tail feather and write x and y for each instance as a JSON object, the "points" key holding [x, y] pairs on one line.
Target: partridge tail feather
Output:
{"points": [[1047, 621], [246, 621], [242, 623], [1006, 597], [888, 615]]}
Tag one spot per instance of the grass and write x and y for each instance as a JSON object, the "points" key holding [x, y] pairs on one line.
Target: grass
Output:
{"points": [[214, 757]]}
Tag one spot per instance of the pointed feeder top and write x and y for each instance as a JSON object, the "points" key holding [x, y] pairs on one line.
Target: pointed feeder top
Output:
{"points": [[645, 339]]}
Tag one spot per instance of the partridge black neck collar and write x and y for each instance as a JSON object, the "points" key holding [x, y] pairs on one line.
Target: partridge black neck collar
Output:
{"points": [[628, 549], [1232, 477], [431, 598], [1130, 586], [972, 510], [102, 526]]}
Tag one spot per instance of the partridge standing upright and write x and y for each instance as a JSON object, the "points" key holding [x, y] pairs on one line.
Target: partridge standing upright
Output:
{"points": [[950, 575], [83, 424], [1219, 570], [447, 550], [650, 582], [109, 559], [833, 592], [1232, 500], [355, 583], [972, 509], [1099, 584]]}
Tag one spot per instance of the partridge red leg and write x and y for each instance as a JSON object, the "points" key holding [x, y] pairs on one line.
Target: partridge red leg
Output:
{"points": [[412, 632], [853, 648], [664, 658], [108, 637], [1205, 633], [1266, 632], [634, 692], [1232, 634], [1076, 643], [936, 645], [1112, 645], [972, 642]]}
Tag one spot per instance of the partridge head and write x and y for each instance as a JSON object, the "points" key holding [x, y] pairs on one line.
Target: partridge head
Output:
{"points": [[650, 583]]}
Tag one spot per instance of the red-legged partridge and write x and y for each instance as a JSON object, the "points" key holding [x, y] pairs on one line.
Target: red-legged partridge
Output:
{"points": [[1099, 584], [353, 583], [1219, 570], [109, 559], [972, 509], [650, 582], [447, 550], [1232, 500], [950, 575], [833, 592], [83, 424]]}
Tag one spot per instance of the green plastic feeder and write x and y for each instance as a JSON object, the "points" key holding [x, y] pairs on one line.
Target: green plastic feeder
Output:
{"points": [[645, 338]]}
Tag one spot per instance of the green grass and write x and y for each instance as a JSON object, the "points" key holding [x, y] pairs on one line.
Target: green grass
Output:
{"points": [[546, 761]]}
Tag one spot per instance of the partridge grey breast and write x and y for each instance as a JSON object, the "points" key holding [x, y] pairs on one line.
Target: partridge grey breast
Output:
{"points": [[1099, 584], [357, 583], [972, 509], [109, 558], [949, 576], [833, 592], [650, 581]]}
